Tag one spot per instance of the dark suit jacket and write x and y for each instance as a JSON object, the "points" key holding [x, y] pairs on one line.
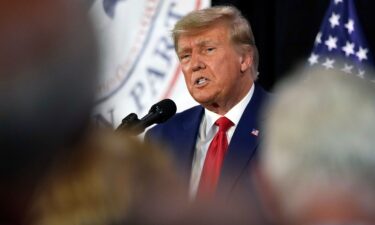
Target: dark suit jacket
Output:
{"points": [[180, 135]]}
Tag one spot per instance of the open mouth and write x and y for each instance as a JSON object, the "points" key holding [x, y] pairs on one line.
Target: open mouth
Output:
{"points": [[201, 81]]}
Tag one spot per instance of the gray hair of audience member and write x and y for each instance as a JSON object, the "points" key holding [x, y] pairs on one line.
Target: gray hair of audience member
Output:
{"points": [[48, 64], [240, 33], [320, 137]]}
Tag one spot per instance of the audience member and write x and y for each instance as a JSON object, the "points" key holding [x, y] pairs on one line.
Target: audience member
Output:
{"points": [[318, 160], [107, 179], [47, 77]]}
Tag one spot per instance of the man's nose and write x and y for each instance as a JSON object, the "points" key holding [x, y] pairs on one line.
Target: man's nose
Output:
{"points": [[197, 63]]}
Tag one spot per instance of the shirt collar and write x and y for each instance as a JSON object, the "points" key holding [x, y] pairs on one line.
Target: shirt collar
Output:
{"points": [[234, 114]]}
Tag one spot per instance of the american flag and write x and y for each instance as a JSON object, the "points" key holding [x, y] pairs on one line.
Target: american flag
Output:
{"points": [[341, 37]]}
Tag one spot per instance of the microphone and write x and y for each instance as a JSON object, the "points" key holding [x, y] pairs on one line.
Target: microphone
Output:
{"points": [[128, 122], [158, 113]]}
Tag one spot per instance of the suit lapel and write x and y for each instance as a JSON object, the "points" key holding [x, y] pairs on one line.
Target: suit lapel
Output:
{"points": [[243, 144], [188, 138]]}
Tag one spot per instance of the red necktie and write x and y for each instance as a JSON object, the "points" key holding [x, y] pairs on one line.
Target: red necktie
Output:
{"points": [[214, 159]]}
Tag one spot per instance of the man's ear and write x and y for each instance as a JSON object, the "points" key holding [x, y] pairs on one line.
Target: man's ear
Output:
{"points": [[246, 60]]}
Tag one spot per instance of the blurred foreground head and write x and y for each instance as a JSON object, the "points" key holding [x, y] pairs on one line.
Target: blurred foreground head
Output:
{"points": [[47, 78], [319, 152], [108, 179]]}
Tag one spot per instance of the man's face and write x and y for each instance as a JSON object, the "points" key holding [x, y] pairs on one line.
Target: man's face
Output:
{"points": [[212, 67]]}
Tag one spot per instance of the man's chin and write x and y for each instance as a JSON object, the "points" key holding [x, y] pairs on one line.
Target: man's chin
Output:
{"points": [[208, 104], [203, 100]]}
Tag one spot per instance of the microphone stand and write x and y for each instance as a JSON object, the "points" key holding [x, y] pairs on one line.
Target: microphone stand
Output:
{"points": [[128, 123]]}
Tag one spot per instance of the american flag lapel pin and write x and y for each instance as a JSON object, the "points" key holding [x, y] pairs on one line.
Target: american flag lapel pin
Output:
{"points": [[255, 132]]}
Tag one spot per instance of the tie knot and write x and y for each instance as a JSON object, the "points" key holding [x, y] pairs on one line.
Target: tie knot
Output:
{"points": [[223, 123]]}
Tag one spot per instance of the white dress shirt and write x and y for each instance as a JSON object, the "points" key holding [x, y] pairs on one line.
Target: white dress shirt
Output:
{"points": [[207, 131]]}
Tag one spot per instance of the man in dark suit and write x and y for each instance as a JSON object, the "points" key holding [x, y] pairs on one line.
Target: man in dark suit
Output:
{"points": [[215, 143]]}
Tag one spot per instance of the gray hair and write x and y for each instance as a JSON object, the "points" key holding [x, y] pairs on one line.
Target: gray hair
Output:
{"points": [[320, 133], [241, 33]]}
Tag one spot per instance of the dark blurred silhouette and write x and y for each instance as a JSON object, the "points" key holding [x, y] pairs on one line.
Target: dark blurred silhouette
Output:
{"points": [[318, 159], [107, 179], [48, 64]]}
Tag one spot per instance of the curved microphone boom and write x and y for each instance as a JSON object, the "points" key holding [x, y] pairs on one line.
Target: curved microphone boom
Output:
{"points": [[158, 113]]}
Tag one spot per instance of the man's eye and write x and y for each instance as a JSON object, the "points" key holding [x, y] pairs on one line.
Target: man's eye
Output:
{"points": [[210, 49], [184, 57]]}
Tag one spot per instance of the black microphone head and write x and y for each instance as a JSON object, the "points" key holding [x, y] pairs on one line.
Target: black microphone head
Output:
{"points": [[166, 108]]}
